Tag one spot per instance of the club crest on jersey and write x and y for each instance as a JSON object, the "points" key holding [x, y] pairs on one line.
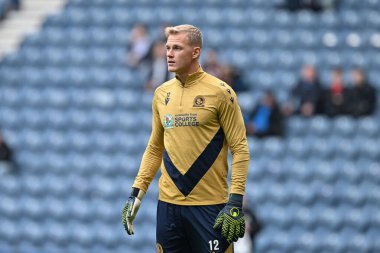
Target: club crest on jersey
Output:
{"points": [[168, 121], [199, 101]]}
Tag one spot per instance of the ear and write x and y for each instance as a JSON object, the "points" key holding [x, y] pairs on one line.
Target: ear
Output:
{"points": [[196, 52]]}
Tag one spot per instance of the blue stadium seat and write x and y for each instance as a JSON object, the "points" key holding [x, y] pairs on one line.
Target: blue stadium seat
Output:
{"points": [[297, 147], [350, 18], [320, 126], [259, 17], [298, 169], [328, 19], [367, 126], [259, 37], [274, 147], [234, 16], [356, 242], [215, 37], [334, 242], [306, 19], [257, 170], [74, 15], [369, 148], [11, 120], [345, 147], [285, 59], [263, 243], [297, 126], [372, 18], [301, 216], [283, 18], [349, 171], [260, 59], [371, 169], [300, 193], [306, 38]]}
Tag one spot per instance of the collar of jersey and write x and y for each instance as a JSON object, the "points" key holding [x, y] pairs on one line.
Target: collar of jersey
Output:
{"points": [[193, 78]]}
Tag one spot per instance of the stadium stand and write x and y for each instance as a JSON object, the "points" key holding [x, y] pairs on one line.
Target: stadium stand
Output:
{"points": [[78, 121]]}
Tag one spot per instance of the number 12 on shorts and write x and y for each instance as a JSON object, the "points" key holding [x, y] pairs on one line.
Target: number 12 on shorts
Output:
{"points": [[214, 245]]}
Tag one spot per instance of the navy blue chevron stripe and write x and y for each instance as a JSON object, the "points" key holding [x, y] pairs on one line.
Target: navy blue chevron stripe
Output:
{"points": [[186, 183]]}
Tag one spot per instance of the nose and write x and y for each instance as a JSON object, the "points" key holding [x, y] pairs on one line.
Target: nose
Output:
{"points": [[169, 53]]}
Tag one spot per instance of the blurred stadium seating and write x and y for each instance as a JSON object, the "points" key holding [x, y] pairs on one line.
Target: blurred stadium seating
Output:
{"points": [[78, 120]]}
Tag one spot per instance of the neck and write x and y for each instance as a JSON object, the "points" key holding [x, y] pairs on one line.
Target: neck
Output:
{"points": [[183, 75]]}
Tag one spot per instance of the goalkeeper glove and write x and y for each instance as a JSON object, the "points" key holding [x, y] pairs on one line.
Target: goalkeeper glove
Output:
{"points": [[230, 220], [130, 209]]}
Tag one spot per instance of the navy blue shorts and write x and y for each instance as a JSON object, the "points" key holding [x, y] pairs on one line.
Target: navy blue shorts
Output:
{"points": [[189, 229]]}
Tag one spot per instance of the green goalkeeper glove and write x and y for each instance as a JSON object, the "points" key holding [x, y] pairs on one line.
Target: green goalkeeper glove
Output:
{"points": [[230, 220], [130, 209]]}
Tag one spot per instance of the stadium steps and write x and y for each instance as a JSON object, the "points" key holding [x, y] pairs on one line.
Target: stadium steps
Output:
{"points": [[25, 21]]}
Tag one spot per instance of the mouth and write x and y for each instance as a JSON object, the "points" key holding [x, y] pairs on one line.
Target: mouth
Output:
{"points": [[171, 62]]}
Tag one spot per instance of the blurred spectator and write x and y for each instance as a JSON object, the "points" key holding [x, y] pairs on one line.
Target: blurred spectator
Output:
{"points": [[5, 156], [361, 97], [307, 94], [158, 70], [335, 95], [253, 227], [233, 77], [7, 6], [211, 64], [228, 73], [266, 118], [314, 5], [16, 4], [138, 46]]}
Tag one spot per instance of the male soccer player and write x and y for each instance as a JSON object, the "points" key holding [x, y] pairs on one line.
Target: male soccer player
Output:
{"points": [[196, 118]]}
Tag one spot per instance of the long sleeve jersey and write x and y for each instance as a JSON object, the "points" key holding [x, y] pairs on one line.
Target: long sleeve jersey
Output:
{"points": [[193, 125]]}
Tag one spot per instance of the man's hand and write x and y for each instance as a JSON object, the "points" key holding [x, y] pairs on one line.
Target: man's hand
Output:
{"points": [[130, 209], [230, 220]]}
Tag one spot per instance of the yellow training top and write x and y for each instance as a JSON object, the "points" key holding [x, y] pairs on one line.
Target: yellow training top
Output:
{"points": [[193, 124]]}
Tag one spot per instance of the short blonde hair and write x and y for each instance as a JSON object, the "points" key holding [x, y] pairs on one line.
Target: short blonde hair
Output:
{"points": [[194, 34]]}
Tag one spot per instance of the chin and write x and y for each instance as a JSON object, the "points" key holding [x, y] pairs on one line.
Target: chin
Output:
{"points": [[172, 69]]}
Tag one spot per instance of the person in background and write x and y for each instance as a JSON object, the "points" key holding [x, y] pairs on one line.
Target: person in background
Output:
{"points": [[335, 96], [266, 118], [5, 156], [361, 96], [233, 76], [138, 45], [16, 4], [314, 5], [306, 95], [212, 65], [158, 71]]}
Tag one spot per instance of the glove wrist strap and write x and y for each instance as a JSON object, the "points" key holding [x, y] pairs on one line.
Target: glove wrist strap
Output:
{"points": [[236, 200], [136, 192]]}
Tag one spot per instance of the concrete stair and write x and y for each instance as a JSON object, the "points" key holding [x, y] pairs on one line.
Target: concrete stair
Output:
{"points": [[27, 20]]}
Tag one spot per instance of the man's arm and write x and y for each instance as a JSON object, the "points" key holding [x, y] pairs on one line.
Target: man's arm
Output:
{"points": [[230, 220], [149, 165], [152, 157], [232, 122]]}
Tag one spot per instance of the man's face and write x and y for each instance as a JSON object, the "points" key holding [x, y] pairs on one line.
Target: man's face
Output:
{"points": [[179, 53], [357, 77], [308, 73]]}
